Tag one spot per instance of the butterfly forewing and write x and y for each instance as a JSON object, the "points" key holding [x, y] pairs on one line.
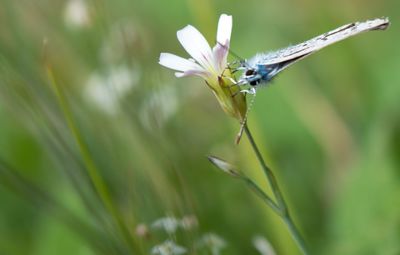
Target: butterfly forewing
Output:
{"points": [[294, 53]]}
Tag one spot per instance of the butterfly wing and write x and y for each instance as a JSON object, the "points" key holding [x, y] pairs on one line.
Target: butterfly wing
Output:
{"points": [[287, 56]]}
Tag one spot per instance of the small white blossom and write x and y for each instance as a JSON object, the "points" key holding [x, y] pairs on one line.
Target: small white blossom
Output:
{"points": [[168, 248], [213, 242], [169, 224], [205, 62], [76, 14], [104, 90], [142, 230], [210, 64], [189, 222]]}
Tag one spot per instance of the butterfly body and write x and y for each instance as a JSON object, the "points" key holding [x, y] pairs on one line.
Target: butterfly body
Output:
{"points": [[260, 74], [258, 70]]}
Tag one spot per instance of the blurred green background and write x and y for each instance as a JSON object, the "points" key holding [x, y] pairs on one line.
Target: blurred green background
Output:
{"points": [[329, 126]]}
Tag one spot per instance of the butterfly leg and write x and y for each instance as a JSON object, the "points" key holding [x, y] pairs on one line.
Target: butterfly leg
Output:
{"points": [[251, 91], [235, 83]]}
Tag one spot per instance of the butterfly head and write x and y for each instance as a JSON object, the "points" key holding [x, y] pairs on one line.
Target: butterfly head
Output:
{"points": [[251, 76], [255, 72]]}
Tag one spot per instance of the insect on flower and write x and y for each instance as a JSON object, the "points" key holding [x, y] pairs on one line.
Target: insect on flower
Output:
{"points": [[261, 68], [212, 65], [209, 64]]}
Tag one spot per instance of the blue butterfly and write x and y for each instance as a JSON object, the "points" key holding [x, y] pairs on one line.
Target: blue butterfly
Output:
{"points": [[263, 67]]}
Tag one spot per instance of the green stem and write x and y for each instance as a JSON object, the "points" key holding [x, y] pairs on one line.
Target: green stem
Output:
{"points": [[283, 211], [259, 192], [96, 178]]}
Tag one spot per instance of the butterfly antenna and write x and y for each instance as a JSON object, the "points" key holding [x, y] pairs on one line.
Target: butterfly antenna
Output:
{"points": [[236, 55], [244, 121], [231, 52]]}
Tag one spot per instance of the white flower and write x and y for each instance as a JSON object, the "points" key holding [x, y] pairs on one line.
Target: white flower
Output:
{"points": [[168, 248], [213, 242], [189, 222], [169, 224], [205, 62], [106, 89], [142, 230], [76, 14], [210, 64]]}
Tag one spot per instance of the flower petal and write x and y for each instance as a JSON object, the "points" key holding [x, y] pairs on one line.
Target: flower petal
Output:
{"points": [[221, 49], [177, 63], [220, 57], [224, 29], [202, 73], [196, 45]]}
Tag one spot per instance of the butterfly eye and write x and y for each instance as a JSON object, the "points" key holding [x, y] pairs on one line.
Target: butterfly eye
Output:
{"points": [[249, 72], [255, 82]]}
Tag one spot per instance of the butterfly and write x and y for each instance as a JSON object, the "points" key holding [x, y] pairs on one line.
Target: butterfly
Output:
{"points": [[263, 67]]}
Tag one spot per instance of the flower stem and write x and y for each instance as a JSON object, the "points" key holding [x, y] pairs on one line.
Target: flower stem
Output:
{"points": [[283, 211], [259, 192]]}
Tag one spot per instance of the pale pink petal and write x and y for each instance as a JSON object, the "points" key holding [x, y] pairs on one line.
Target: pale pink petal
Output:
{"points": [[220, 57], [196, 45], [224, 29], [202, 73], [177, 63], [221, 50]]}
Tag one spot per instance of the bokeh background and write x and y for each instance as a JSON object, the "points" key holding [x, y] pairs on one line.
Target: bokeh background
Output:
{"points": [[329, 126]]}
